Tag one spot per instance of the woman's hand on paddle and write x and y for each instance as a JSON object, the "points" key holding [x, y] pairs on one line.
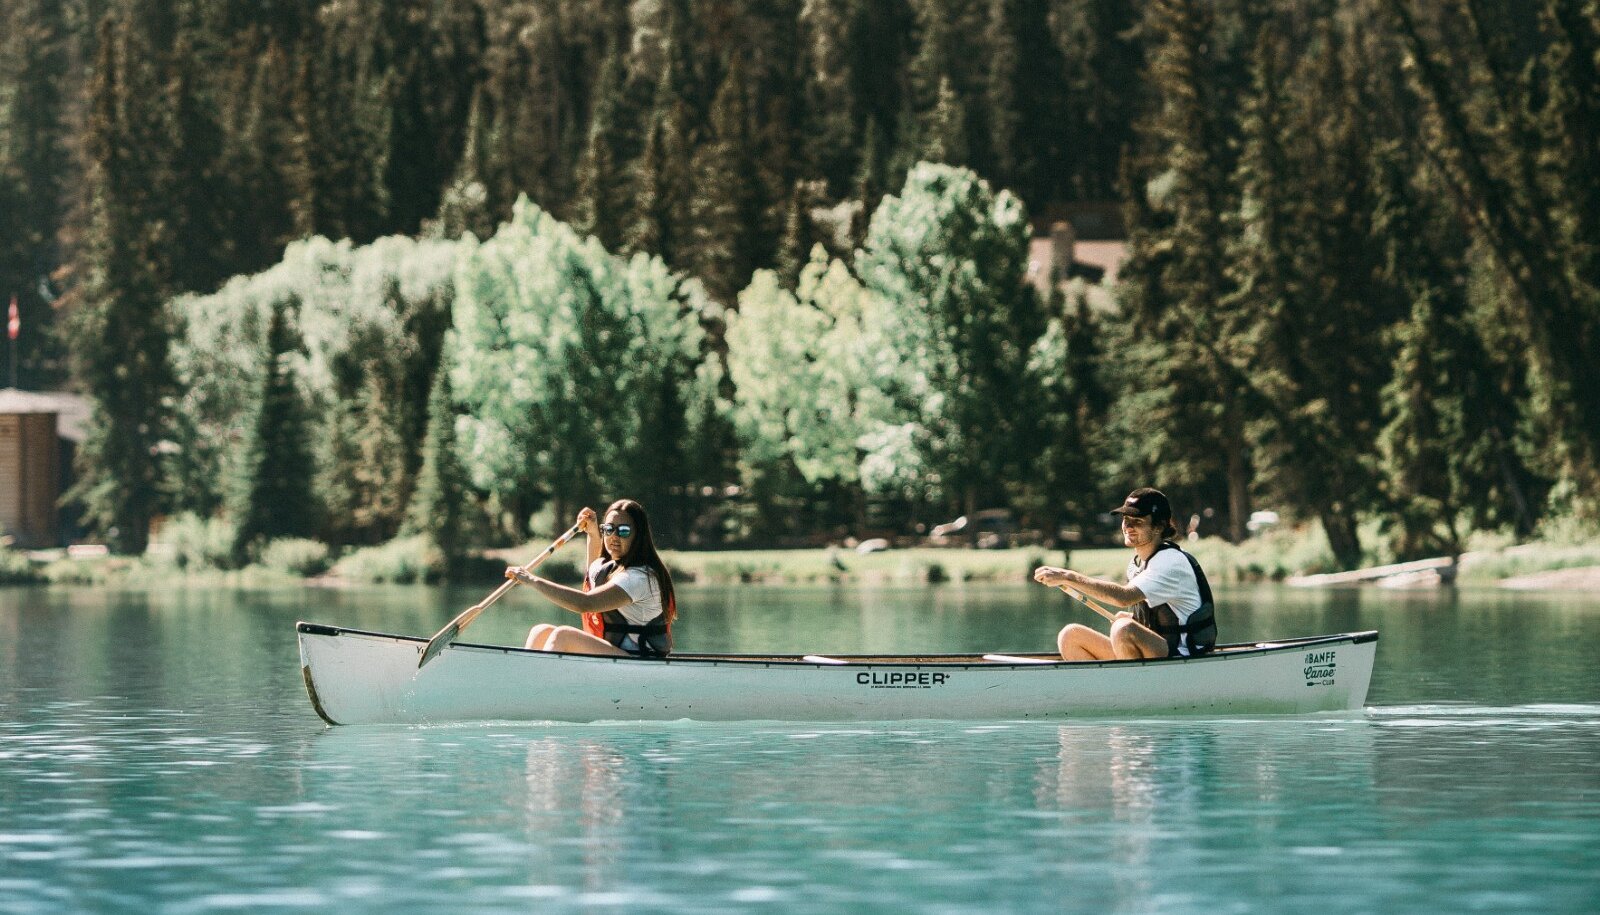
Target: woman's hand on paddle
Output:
{"points": [[519, 574], [1054, 577], [589, 522]]}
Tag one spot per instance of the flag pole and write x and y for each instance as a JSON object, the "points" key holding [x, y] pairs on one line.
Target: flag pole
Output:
{"points": [[13, 330]]}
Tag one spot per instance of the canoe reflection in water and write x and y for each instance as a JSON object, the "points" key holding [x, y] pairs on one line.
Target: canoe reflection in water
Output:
{"points": [[586, 777], [1156, 785]]}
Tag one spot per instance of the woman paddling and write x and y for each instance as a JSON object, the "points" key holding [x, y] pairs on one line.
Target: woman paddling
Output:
{"points": [[627, 602]]}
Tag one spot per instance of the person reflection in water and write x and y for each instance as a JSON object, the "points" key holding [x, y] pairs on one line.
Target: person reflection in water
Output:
{"points": [[627, 601]]}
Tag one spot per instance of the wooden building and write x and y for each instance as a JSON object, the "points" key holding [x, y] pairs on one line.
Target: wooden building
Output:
{"points": [[38, 435], [1085, 241]]}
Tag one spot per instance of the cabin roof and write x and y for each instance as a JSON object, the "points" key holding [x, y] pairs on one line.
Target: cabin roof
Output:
{"points": [[72, 410]]}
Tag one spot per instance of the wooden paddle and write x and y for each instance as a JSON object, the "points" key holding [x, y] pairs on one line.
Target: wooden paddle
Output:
{"points": [[451, 632], [1084, 599]]}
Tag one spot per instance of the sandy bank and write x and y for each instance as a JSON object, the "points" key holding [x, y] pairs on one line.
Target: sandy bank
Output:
{"points": [[1586, 578]]}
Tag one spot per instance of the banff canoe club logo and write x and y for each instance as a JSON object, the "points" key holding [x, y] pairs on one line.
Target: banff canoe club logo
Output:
{"points": [[1319, 668], [901, 679]]}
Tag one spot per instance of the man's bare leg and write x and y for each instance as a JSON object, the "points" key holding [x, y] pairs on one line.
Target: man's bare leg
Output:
{"points": [[1131, 641], [1080, 643]]}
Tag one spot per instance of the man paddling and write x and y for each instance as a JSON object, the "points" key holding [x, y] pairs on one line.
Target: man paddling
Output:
{"points": [[1173, 614]]}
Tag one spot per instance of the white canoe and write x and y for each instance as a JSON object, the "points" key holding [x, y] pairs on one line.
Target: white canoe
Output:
{"points": [[357, 677]]}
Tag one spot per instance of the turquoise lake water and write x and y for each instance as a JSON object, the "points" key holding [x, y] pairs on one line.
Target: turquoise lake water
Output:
{"points": [[158, 753]]}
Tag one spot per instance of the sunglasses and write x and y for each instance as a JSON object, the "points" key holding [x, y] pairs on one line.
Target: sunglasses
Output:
{"points": [[621, 530]]}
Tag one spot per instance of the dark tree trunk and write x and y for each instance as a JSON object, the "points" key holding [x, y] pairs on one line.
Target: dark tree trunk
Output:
{"points": [[1342, 537]]}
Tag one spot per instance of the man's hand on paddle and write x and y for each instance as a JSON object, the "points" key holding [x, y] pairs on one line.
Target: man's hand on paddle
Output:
{"points": [[1054, 577], [1069, 581]]}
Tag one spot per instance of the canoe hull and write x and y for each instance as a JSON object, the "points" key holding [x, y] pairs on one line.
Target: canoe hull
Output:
{"points": [[356, 677]]}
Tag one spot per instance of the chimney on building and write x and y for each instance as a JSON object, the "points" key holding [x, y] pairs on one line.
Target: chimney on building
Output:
{"points": [[1062, 242]]}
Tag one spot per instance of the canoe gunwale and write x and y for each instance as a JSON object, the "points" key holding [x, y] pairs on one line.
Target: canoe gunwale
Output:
{"points": [[1222, 653]]}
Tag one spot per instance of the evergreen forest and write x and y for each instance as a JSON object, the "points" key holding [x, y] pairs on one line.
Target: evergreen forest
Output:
{"points": [[356, 271]]}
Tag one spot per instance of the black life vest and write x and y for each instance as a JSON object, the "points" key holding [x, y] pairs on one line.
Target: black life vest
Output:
{"points": [[1200, 630], [654, 638]]}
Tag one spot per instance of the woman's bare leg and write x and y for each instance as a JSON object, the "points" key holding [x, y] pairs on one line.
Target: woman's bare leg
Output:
{"points": [[570, 639], [538, 635]]}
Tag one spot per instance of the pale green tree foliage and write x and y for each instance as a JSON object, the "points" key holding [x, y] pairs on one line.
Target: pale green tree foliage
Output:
{"points": [[577, 369], [949, 256], [361, 345], [808, 403]]}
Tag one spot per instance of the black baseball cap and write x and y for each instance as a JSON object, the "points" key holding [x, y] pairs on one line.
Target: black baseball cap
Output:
{"points": [[1145, 502]]}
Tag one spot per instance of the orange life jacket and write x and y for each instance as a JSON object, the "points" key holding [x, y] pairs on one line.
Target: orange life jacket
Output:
{"points": [[653, 638]]}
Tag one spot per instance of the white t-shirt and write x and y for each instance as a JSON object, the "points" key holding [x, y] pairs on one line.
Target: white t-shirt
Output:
{"points": [[640, 584], [1167, 579]]}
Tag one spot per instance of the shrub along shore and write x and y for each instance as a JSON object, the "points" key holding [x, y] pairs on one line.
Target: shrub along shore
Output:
{"points": [[1564, 559]]}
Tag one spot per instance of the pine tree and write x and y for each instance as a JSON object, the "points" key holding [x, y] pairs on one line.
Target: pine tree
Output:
{"points": [[208, 249], [467, 205], [1188, 392], [721, 212], [1303, 304], [933, 123], [661, 179], [869, 184], [800, 235], [827, 33], [944, 134], [649, 226], [271, 491], [254, 208], [1516, 126], [1447, 445], [1002, 115], [122, 331], [33, 173], [597, 205], [341, 134], [383, 484], [438, 506], [1083, 93]]}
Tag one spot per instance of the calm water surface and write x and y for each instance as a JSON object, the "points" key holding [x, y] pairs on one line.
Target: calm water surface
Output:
{"points": [[158, 752]]}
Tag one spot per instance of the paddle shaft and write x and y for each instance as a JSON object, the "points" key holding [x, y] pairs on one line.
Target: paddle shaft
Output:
{"points": [[453, 630], [1084, 599], [510, 583]]}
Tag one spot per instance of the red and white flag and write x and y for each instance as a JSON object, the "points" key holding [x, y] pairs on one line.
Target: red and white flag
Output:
{"points": [[13, 319]]}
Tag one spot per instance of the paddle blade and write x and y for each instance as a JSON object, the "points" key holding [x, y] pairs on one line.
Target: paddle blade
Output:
{"points": [[438, 643]]}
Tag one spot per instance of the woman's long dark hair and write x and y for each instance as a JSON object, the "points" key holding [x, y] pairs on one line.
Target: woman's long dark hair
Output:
{"points": [[642, 552]]}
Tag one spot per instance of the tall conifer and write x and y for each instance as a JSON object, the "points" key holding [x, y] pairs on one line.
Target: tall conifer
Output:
{"points": [[122, 332], [722, 209], [271, 489], [1516, 125], [439, 503], [827, 30], [1192, 424], [597, 204]]}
